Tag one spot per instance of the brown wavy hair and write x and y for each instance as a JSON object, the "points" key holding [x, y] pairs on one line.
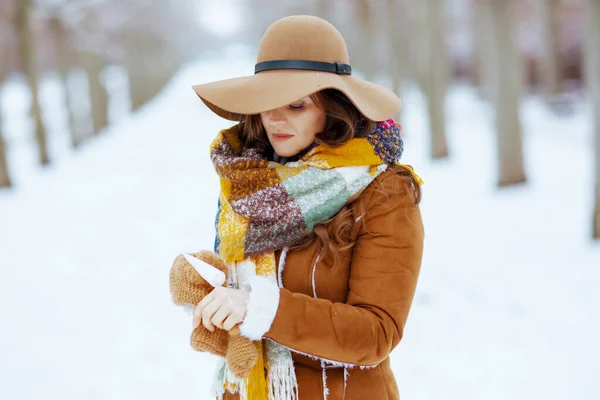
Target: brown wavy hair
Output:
{"points": [[344, 122]]}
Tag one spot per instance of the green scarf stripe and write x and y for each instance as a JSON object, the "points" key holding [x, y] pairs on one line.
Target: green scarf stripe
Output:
{"points": [[319, 195]]}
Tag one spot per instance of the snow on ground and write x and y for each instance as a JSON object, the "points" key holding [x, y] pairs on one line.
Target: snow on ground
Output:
{"points": [[506, 303]]}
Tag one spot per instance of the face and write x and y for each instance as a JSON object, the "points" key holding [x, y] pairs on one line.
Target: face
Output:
{"points": [[293, 128]]}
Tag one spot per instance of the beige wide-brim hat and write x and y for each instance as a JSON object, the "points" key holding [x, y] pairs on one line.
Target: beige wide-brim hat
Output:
{"points": [[298, 56]]}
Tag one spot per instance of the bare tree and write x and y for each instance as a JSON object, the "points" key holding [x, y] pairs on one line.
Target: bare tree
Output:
{"points": [[366, 56], [93, 65], [397, 49], [550, 64], [436, 74], [507, 93], [26, 38], [147, 73], [65, 59], [483, 45], [148, 49], [152, 55], [90, 49], [4, 176], [593, 81]]}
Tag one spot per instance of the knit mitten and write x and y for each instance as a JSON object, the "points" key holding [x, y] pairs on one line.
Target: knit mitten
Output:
{"points": [[242, 354], [188, 288]]}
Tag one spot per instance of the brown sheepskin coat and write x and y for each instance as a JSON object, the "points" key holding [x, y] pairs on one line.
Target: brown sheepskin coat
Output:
{"points": [[341, 322]]}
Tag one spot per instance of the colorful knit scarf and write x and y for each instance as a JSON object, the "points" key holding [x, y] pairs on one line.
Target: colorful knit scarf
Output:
{"points": [[265, 206]]}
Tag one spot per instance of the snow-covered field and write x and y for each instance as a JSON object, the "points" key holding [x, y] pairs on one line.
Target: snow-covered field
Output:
{"points": [[507, 300]]}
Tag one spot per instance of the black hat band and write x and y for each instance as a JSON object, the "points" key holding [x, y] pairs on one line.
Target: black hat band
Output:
{"points": [[336, 68]]}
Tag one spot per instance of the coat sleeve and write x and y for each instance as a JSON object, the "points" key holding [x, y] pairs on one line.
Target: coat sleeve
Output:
{"points": [[385, 266]]}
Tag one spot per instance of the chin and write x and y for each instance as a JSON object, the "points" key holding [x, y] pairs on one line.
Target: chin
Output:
{"points": [[285, 152]]}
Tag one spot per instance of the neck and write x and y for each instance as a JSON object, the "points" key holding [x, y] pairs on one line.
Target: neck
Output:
{"points": [[282, 160]]}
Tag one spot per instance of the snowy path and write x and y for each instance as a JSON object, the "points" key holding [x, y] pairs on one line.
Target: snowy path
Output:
{"points": [[507, 301]]}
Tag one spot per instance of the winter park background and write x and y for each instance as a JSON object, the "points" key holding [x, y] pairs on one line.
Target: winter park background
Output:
{"points": [[508, 297]]}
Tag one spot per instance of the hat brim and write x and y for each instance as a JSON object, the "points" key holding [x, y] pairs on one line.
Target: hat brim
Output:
{"points": [[233, 98]]}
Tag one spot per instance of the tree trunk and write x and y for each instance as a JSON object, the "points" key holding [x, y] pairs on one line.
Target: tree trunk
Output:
{"points": [[4, 176], [483, 45], [550, 64], [593, 80], [147, 75], [417, 49], [93, 65], [146, 83], [162, 72], [138, 81], [436, 78], [398, 53], [138, 70], [26, 39], [366, 54], [397, 50], [65, 58], [507, 89]]}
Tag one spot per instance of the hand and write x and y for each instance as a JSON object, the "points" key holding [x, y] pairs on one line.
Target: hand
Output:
{"points": [[223, 308]]}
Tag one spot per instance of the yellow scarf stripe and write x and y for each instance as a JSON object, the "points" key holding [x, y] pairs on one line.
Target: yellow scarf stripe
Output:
{"points": [[265, 264], [356, 152], [256, 383], [232, 228]]}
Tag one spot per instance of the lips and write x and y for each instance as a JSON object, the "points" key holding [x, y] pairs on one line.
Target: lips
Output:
{"points": [[281, 136]]}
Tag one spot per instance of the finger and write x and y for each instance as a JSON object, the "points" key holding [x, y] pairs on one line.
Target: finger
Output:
{"points": [[232, 320], [207, 314], [199, 310], [207, 299], [220, 316], [197, 317]]}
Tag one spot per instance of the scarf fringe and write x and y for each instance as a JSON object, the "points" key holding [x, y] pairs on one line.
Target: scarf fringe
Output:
{"points": [[218, 385], [226, 381], [282, 381]]}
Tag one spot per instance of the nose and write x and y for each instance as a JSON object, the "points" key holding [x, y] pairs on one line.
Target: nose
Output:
{"points": [[277, 117]]}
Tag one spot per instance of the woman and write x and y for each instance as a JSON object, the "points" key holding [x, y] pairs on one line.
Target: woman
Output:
{"points": [[319, 224]]}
